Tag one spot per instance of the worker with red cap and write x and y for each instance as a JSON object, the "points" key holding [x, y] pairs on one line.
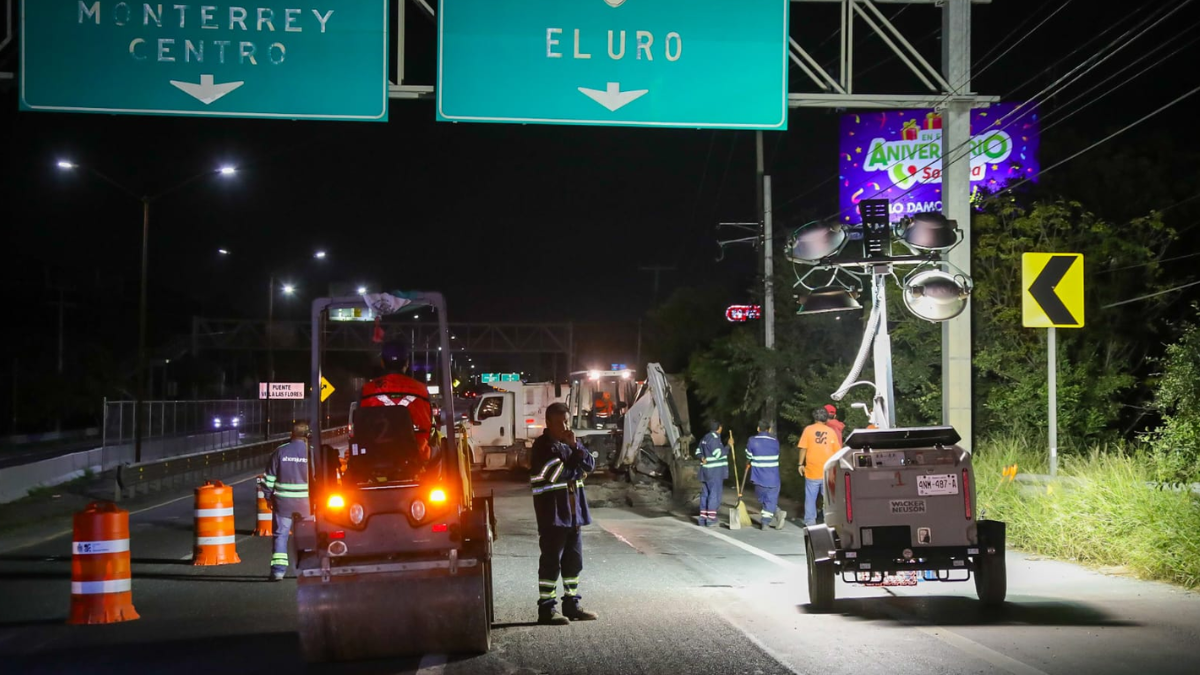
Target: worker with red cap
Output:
{"points": [[394, 388], [838, 426]]}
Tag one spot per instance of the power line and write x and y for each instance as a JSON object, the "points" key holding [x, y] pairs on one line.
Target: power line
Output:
{"points": [[1109, 46], [1017, 43], [1149, 295], [1147, 264], [1098, 143], [1131, 78]]}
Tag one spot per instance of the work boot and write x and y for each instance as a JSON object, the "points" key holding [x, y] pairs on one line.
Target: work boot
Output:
{"points": [[276, 575], [765, 524], [577, 613], [549, 616]]}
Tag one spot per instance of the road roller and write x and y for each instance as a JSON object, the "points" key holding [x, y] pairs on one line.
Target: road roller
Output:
{"points": [[395, 559], [900, 503]]}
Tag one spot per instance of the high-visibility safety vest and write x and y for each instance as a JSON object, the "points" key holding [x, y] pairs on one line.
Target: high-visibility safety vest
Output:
{"points": [[763, 452], [716, 459], [285, 481], [556, 481]]}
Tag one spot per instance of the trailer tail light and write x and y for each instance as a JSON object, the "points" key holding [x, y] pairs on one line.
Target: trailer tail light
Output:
{"points": [[337, 534], [849, 501], [441, 527], [966, 488]]}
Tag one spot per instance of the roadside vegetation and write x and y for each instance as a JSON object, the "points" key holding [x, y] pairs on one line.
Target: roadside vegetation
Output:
{"points": [[1108, 511], [1128, 382]]}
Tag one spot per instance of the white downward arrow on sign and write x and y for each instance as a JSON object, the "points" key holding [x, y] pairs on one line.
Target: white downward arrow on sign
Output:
{"points": [[206, 92], [612, 97]]}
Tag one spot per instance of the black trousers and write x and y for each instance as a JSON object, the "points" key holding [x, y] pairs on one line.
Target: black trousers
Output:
{"points": [[562, 554]]}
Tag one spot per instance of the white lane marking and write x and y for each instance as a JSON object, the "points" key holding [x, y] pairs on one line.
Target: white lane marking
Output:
{"points": [[771, 557], [964, 644], [432, 664], [622, 539]]}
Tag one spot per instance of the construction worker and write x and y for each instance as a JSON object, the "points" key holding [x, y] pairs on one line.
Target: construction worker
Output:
{"points": [[762, 451], [396, 388], [559, 465], [817, 444], [838, 426], [285, 484], [714, 469]]}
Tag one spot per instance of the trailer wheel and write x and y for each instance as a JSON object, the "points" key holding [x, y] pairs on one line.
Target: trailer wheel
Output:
{"points": [[991, 575], [820, 580]]}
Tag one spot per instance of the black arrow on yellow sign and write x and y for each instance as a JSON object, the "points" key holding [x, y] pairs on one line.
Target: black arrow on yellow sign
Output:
{"points": [[1042, 290]]}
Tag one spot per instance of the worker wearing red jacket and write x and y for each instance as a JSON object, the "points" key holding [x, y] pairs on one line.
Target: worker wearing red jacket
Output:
{"points": [[396, 388]]}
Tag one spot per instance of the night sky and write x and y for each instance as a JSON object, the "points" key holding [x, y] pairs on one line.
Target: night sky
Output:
{"points": [[516, 223]]}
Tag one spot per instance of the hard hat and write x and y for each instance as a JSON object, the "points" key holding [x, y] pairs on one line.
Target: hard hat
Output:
{"points": [[830, 409], [394, 352]]}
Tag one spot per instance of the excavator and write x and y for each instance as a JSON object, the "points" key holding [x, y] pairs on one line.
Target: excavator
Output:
{"points": [[396, 557]]}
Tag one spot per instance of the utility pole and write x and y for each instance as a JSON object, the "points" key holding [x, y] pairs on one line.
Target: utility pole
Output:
{"points": [[656, 269], [767, 269], [957, 394]]}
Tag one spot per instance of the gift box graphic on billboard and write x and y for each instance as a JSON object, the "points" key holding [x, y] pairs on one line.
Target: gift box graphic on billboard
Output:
{"points": [[896, 155]]}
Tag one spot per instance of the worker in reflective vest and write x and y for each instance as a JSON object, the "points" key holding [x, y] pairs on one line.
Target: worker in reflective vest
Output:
{"points": [[396, 388], [285, 484], [559, 465], [714, 469], [762, 451]]}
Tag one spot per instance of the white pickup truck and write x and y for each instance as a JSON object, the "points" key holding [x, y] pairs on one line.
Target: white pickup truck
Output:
{"points": [[505, 423]]}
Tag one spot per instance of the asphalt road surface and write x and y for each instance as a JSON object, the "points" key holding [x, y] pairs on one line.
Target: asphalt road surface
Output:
{"points": [[672, 598]]}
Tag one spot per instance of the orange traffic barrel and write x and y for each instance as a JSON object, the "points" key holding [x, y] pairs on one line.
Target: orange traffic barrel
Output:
{"points": [[214, 525], [101, 584], [263, 527]]}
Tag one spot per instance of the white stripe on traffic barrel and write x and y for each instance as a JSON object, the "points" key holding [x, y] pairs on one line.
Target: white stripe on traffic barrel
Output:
{"points": [[214, 541], [214, 513], [98, 587]]}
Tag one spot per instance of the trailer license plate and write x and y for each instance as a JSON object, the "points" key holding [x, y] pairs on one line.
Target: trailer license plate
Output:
{"points": [[937, 484], [903, 506]]}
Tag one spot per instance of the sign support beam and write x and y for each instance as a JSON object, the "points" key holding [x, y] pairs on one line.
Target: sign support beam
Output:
{"points": [[957, 389], [1052, 367]]}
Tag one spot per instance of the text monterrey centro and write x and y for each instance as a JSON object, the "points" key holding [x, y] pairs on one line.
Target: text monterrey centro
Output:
{"points": [[686, 63], [320, 59]]}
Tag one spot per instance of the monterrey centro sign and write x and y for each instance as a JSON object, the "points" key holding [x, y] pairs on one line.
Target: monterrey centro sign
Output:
{"points": [[897, 155], [292, 59]]}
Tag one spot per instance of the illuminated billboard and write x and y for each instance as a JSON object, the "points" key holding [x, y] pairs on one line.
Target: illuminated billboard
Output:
{"points": [[896, 155]]}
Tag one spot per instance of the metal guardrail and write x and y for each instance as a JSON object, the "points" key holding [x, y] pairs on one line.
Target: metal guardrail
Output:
{"points": [[179, 428], [134, 479]]}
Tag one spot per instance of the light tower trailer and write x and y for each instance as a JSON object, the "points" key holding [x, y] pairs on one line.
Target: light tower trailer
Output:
{"points": [[903, 500]]}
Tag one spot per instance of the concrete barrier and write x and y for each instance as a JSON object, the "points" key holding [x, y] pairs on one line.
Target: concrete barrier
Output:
{"points": [[17, 481]]}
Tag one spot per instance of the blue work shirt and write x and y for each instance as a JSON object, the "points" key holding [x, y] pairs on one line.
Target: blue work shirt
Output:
{"points": [[763, 452], [716, 459], [556, 480]]}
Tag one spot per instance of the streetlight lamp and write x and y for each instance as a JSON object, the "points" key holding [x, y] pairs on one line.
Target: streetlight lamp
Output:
{"points": [[146, 200], [288, 289]]}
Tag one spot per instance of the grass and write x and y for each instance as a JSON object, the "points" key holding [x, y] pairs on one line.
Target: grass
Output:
{"points": [[1109, 518]]}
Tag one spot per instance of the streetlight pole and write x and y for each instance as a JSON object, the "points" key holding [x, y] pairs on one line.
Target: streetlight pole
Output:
{"points": [[266, 416], [139, 417]]}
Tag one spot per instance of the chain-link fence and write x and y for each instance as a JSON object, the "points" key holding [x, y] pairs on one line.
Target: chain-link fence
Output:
{"points": [[175, 428]]}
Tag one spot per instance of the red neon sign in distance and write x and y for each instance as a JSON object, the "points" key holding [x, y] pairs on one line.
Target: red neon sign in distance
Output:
{"points": [[743, 313]]}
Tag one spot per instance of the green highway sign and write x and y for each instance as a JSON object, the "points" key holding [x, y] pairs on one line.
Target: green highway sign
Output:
{"points": [[668, 63], [510, 377], [488, 378], [289, 59]]}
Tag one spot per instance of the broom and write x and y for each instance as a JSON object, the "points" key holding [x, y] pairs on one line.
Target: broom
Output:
{"points": [[739, 517]]}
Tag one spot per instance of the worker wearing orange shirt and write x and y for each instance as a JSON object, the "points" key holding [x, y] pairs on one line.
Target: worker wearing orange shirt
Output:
{"points": [[817, 444]]}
